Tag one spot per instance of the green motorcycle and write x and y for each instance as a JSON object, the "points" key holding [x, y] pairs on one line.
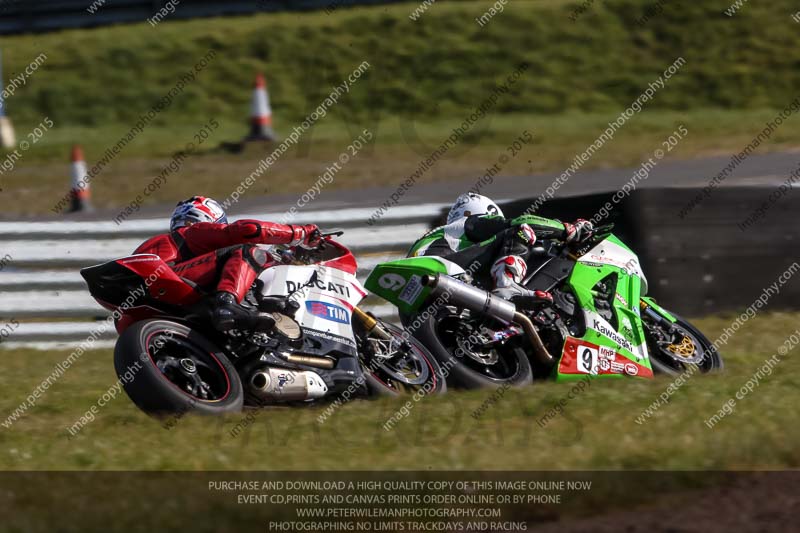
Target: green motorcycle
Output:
{"points": [[600, 324]]}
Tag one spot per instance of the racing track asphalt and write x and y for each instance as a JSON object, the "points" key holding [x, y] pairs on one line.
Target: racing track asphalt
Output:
{"points": [[764, 169]]}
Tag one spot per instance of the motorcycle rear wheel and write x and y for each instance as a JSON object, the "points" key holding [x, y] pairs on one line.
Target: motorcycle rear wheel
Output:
{"points": [[168, 368], [512, 366]]}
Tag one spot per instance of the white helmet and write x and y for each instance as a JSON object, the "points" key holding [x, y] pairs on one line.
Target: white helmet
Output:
{"points": [[472, 204]]}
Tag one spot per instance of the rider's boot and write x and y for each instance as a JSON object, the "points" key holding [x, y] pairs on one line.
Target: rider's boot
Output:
{"points": [[507, 273], [228, 315]]}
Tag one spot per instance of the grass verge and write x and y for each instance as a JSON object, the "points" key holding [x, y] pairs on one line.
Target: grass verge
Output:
{"points": [[597, 429]]}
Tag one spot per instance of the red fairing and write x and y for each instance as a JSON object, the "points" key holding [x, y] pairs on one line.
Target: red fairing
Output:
{"points": [[163, 284], [346, 262], [606, 361]]}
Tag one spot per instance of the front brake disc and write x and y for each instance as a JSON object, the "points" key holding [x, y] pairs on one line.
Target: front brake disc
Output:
{"points": [[684, 351]]}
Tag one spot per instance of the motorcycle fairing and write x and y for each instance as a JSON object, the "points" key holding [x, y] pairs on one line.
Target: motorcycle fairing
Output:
{"points": [[142, 284], [613, 252], [581, 358], [326, 299], [400, 282], [602, 343]]}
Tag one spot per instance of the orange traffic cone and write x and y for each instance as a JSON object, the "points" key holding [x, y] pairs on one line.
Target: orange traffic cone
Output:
{"points": [[7, 138], [79, 188], [261, 113]]}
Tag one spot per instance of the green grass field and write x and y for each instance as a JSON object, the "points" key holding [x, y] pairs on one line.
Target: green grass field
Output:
{"points": [[425, 78], [596, 431], [435, 67]]}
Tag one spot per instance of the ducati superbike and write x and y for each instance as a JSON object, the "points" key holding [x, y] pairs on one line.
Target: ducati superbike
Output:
{"points": [[601, 323], [322, 346]]}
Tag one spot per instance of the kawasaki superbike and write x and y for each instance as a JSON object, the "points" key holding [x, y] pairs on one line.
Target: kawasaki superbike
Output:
{"points": [[600, 324]]}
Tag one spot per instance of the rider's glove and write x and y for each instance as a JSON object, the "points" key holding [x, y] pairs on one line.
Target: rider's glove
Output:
{"points": [[578, 232], [526, 234], [305, 236], [312, 237]]}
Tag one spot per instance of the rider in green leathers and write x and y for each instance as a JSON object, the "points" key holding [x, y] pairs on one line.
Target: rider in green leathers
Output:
{"points": [[476, 230]]}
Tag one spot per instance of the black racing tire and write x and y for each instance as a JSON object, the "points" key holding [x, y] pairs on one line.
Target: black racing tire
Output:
{"points": [[379, 385], [711, 361], [145, 344], [461, 375]]}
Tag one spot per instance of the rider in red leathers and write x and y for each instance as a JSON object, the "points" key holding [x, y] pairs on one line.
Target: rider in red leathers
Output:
{"points": [[204, 249]]}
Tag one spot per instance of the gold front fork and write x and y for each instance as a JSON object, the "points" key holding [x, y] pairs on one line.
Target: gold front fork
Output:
{"points": [[371, 325]]}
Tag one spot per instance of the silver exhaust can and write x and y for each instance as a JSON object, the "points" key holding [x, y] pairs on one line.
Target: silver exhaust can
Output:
{"points": [[281, 385], [479, 301], [472, 298]]}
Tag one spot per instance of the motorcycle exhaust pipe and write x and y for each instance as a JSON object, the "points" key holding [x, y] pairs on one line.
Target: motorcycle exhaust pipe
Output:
{"points": [[281, 385], [485, 303], [471, 298], [538, 346]]}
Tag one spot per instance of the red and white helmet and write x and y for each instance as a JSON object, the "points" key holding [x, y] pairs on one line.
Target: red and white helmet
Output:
{"points": [[197, 209]]}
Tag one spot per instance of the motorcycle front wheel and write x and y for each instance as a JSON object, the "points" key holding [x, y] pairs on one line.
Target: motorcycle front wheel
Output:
{"points": [[676, 352], [399, 365]]}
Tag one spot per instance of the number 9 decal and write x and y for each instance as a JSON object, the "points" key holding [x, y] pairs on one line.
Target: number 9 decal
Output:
{"points": [[587, 360], [392, 282]]}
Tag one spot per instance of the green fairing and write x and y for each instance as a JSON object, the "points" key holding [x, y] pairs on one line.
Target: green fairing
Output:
{"points": [[583, 278], [398, 282]]}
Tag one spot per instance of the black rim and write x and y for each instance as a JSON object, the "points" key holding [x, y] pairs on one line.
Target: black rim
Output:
{"points": [[400, 368], [453, 333], [399, 364], [188, 367], [671, 350]]}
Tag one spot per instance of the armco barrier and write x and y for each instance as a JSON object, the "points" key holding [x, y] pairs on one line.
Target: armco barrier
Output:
{"points": [[40, 278]]}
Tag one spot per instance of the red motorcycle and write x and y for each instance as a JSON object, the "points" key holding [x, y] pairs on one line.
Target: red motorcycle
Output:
{"points": [[322, 346]]}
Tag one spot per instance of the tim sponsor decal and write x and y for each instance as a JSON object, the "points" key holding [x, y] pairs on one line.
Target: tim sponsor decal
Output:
{"points": [[328, 311]]}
